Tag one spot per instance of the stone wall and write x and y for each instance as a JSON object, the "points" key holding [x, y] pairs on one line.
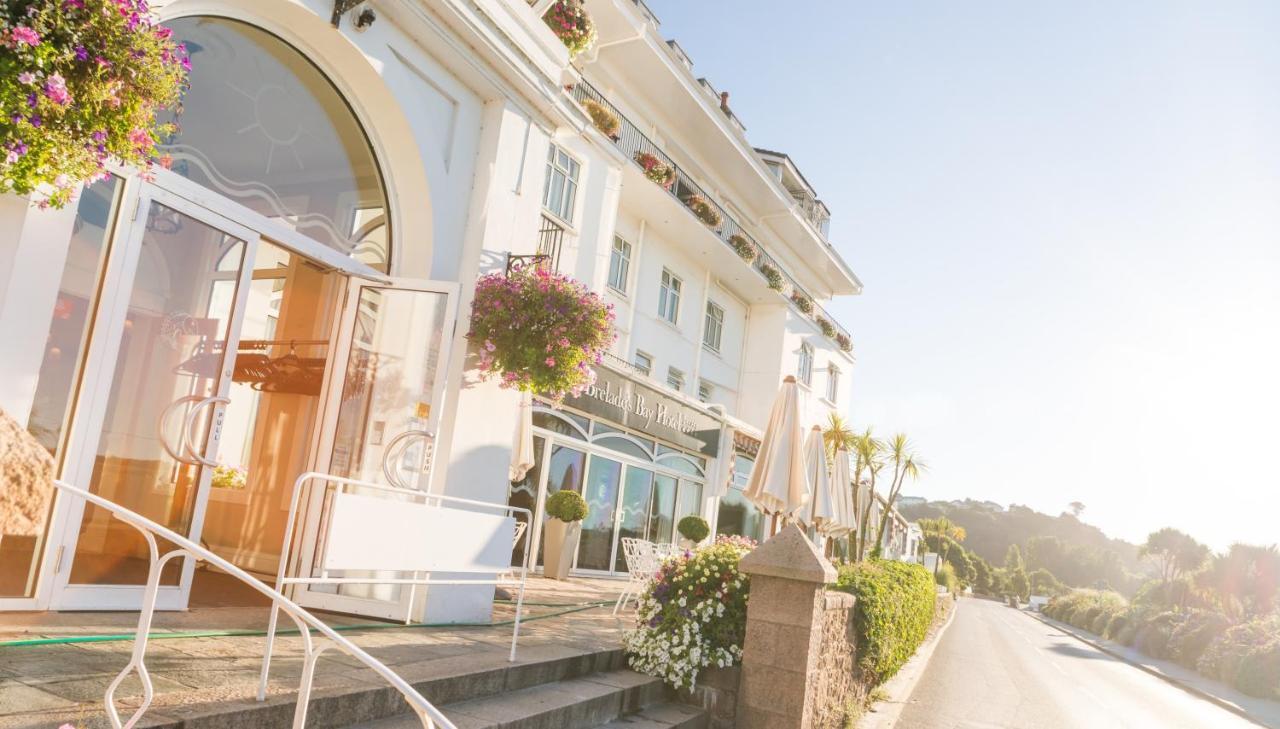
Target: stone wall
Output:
{"points": [[833, 687], [26, 481]]}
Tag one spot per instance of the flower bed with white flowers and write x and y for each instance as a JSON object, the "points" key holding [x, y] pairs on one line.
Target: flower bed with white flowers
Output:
{"points": [[693, 615]]}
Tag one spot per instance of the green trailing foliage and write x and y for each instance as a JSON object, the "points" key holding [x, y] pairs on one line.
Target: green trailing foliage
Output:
{"points": [[894, 608], [567, 505]]}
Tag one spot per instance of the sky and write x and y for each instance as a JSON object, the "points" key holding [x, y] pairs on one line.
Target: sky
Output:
{"points": [[1067, 220]]}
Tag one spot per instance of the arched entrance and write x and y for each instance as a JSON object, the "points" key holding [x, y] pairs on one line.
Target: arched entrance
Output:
{"points": [[242, 329]]}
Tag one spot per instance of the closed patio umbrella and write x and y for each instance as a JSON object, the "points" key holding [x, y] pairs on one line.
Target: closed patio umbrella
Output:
{"points": [[842, 496], [822, 511], [779, 484], [522, 458]]}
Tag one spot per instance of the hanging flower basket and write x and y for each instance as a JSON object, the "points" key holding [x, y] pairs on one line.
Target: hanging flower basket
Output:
{"points": [[82, 82], [802, 302], [568, 19], [773, 276], [539, 331], [745, 249], [826, 326], [703, 210], [843, 341], [656, 170], [606, 121]]}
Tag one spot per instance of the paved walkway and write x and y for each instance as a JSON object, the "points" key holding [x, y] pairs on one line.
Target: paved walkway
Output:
{"points": [[998, 667], [46, 685]]}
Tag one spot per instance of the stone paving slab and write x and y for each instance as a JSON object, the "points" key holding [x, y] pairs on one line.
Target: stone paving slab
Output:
{"points": [[46, 685]]}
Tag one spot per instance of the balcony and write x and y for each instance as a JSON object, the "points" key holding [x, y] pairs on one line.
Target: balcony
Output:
{"points": [[635, 144], [814, 211], [546, 255]]}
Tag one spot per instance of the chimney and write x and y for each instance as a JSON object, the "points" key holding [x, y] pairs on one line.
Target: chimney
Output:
{"points": [[724, 102]]}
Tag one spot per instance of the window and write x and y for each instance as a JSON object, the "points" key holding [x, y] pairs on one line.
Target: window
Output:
{"points": [[619, 265], [675, 378], [704, 391], [669, 297], [643, 362], [804, 369], [561, 184], [833, 383], [713, 326]]}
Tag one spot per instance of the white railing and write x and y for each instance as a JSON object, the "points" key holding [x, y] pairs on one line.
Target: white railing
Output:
{"points": [[429, 715]]}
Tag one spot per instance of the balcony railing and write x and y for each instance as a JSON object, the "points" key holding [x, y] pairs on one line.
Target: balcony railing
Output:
{"points": [[813, 211], [634, 142], [546, 256]]}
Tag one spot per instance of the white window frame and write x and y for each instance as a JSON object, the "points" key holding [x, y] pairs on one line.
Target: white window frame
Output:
{"points": [[563, 170], [713, 324], [676, 374], [646, 370], [669, 292], [804, 365], [833, 383], [620, 255]]}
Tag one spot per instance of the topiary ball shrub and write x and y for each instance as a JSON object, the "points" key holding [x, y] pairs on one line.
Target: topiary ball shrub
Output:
{"points": [[694, 528], [894, 608], [567, 506]]}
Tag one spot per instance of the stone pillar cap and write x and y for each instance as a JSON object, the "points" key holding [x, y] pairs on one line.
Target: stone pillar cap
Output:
{"points": [[791, 556]]}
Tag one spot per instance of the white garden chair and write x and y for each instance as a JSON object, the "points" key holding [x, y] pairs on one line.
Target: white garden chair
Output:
{"points": [[644, 559]]}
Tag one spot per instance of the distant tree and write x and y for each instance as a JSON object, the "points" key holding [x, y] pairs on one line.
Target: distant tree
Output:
{"points": [[1018, 583], [1174, 553], [1013, 558], [944, 533], [1077, 508], [905, 464], [1246, 580], [1044, 583], [982, 579]]}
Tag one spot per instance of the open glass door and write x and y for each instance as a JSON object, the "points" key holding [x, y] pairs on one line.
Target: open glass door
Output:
{"points": [[383, 403], [152, 411]]}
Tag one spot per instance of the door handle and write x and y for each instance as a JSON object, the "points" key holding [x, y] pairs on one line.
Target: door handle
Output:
{"points": [[175, 453], [402, 441], [189, 423]]}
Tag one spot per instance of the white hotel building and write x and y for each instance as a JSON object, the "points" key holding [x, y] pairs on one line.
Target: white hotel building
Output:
{"points": [[293, 294]]}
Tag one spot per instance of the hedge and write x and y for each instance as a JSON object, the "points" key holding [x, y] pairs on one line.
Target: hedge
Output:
{"points": [[894, 608], [1194, 634]]}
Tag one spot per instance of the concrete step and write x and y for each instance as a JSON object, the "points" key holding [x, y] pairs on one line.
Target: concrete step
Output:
{"points": [[461, 681], [575, 703], [665, 715]]}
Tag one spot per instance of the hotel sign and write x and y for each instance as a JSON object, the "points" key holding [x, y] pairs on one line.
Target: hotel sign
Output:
{"points": [[640, 407]]}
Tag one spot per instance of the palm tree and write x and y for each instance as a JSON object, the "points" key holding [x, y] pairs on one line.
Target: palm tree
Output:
{"points": [[838, 435], [945, 532], [905, 463]]}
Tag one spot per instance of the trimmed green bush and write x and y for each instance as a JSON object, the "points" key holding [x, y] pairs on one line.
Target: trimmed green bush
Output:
{"points": [[894, 608], [694, 528], [567, 505], [946, 577], [1222, 659], [1116, 625], [1153, 635], [1190, 639], [1259, 672]]}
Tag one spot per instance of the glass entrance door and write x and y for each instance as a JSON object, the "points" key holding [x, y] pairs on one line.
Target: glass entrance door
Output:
{"points": [[150, 414], [383, 403]]}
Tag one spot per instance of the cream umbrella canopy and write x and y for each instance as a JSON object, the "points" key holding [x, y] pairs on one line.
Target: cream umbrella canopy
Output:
{"points": [[822, 513], [842, 496], [522, 458], [779, 483]]}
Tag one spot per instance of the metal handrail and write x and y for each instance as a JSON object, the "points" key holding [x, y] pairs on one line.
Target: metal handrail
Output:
{"points": [[306, 622], [634, 142]]}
